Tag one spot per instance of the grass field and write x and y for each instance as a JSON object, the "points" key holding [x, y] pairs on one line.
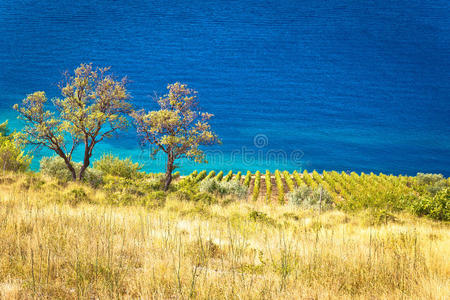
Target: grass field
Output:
{"points": [[54, 247]]}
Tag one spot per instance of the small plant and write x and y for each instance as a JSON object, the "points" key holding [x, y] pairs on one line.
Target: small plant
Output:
{"points": [[111, 165], [55, 167], [229, 176], [298, 178], [258, 216], [437, 207], [433, 183], [201, 176], [204, 198], [238, 176], [247, 179], [12, 156], [256, 186], [220, 188], [308, 197], [288, 179], [210, 175], [76, 196], [219, 176]]}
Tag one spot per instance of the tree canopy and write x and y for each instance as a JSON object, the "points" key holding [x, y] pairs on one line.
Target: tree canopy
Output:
{"points": [[93, 106], [178, 128]]}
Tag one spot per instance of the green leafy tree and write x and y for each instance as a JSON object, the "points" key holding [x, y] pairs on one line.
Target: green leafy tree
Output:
{"points": [[12, 156], [178, 128], [93, 107]]}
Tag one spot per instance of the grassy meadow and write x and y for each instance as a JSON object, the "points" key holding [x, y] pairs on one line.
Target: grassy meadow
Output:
{"points": [[68, 240]]}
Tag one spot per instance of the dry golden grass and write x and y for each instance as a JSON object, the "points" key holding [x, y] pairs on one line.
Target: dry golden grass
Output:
{"points": [[51, 249]]}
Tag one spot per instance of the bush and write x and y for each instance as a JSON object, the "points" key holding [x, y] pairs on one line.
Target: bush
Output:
{"points": [[222, 188], [219, 176], [76, 196], [428, 178], [258, 216], [204, 198], [56, 167], [111, 165], [211, 175], [436, 207], [308, 197], [201, 176], [12, 156], [238, 176], [434, 182], [247, 179], [288, 180], [229, 176], [256, 186]]}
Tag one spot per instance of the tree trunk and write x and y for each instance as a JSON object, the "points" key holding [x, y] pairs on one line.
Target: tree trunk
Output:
{"points": [[86, 162], [68, 164], [169, 169], [71, 169]]}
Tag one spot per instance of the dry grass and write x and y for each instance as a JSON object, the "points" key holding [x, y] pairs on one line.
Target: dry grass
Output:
{"points": [[51, 249]]}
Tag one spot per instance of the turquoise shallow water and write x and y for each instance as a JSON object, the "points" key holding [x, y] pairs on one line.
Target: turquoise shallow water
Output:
{"points": [[343, 85]]}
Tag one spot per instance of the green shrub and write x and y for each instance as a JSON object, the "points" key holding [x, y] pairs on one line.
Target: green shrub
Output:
{"points": [[140, 188], [229, 176], [436, 207], [55, 167], [238, 176], [219, 176], [223, 188], [256, 186], [154, 200], [308, 197], [182, 195], [428, 178], [201, 176], [76, 196], [211, 175], [194, 174], [288, 180], [108, 164], [258, 216], [247, 179], [434, 183], [204, 198], [298, 178], [12, 156]]}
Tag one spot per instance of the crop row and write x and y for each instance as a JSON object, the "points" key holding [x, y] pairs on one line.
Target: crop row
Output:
{"points": [[341, 186]]}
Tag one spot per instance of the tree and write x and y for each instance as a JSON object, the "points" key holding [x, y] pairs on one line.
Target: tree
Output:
{"points": [[93, 107], [178, 128]]}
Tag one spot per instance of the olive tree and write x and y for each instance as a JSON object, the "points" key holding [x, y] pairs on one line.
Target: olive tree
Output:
{"points": [[93, 106], [178, 128]]}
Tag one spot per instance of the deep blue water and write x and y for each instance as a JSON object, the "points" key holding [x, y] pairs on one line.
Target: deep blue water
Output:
{"points": [[343, 85]]}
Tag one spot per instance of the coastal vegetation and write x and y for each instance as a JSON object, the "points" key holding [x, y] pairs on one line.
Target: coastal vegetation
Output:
{"points": [[122, 236], [107, 229]]}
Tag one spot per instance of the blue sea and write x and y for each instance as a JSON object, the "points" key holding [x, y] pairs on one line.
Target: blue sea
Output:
{"points": [[340, 85]]}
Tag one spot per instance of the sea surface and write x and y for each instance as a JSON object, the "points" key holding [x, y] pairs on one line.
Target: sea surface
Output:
{"points": [[328, 85]]}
